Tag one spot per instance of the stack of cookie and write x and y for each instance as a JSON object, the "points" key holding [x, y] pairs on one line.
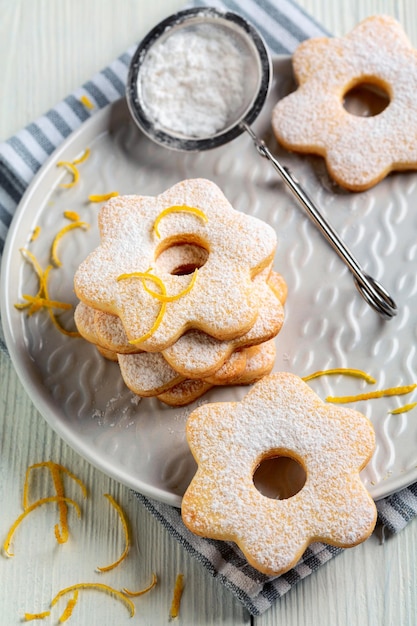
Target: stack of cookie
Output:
{"points": [[180, 292]]}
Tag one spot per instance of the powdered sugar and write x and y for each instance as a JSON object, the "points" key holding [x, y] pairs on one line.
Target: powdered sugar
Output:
{"points": [[192, 82]]}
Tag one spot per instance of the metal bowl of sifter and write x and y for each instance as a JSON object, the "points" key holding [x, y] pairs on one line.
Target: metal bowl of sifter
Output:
{"points": [[196, 76]]}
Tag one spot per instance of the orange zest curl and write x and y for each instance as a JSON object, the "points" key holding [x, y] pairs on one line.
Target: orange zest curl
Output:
{"points": [[103, 197], [346, 371], [29, 509], [382, 393], [177, 595], [178, 209], [404, 409], [122, 517], [159, 317], [98, 587], [141, 592], [54, 256], [74, 171]]}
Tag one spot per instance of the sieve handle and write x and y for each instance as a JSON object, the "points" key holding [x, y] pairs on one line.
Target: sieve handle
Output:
{"points": [[372, 292]]}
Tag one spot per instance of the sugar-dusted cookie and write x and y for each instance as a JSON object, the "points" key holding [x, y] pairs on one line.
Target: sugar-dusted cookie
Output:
{"points": [[147, 373], [359, 151], [280, 416], [122, 276], [195, 354], [111, 334], [198, 355], [185, 392], [108, 354], [84, 321], [232, 368], [260, 361]]}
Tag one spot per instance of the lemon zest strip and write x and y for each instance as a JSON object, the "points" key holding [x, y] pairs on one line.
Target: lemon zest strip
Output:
{"points": [[165, 298], [69, 608], [158, 320], [29, 509], [97, 587], [403, 409], [42, 296], [178, 209], [103, 197], [36, 233], [72, 215], [32, 616], [74, 171], [347, 371], [48, 465], [40, 302], [64, 331], [30, 257], [141, 592], [37, 305], [54, 256], [391, 391], [86, 102], [118, 508], [176, 597], [55, 470], [83, 157]]}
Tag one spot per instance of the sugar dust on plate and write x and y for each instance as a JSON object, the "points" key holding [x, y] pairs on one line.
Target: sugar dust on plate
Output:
{"points": [[193, 82]]}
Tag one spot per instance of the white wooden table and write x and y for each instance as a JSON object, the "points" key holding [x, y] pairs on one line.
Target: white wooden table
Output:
{"points": [[47, 49]]}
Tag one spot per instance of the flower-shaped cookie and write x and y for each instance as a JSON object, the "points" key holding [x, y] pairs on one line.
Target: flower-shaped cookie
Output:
{"points": [[359, 151], [280, 416], [216, 295], [195, 354]]}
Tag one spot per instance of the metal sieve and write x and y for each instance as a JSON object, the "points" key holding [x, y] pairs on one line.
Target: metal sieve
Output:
{"points": [[257, 79]]}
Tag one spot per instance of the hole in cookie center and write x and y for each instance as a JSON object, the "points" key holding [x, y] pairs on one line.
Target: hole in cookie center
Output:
{"points": [[366, 99], [279, 477], [181, 258]]}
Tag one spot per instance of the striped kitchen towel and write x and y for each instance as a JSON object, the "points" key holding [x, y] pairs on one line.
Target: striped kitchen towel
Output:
{"points": [[283, 25]]}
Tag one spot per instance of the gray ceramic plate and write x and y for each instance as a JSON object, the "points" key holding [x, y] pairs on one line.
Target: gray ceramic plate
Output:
{"points": [[142, 443]]}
